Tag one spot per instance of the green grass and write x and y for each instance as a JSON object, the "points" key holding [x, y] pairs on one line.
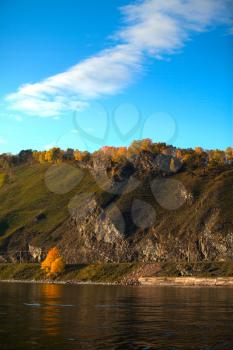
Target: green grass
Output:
{"points": [[198, 269], [3, 179], [102, 272], [106, 273], [25, 196], [20, 272]]}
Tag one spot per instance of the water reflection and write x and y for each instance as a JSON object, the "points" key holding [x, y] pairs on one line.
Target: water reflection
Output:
{"points": [[114, 317], [51, 315]]}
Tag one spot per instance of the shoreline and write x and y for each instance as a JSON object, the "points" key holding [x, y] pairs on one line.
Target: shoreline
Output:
{"points": [[143, 282], [60, 282], [190, 281]]}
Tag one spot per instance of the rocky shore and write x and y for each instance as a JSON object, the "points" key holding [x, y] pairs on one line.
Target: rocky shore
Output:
{"points": [[186, 281]]}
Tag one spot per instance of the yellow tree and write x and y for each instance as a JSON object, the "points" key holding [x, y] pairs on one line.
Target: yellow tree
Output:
{"points": [[139, 146], [53, 155], [53, 263], [229, 154], [39, 156], [119, 154], [216, 157], [81, 156]]}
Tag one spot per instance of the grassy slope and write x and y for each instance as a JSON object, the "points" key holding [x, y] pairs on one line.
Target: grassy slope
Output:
{"points": [[25, 195], [83, 273], [198, 269], [3, 178]]}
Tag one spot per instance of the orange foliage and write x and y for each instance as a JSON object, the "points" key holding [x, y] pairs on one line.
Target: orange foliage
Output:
{"points": [[57, 266], [179, 153], [119, 154], [198, 150], [229, 154], [115, 153], [107, 149], [53, 263]]}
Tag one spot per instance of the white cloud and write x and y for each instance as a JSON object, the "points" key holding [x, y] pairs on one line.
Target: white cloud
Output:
{"points": [[50, 146], [151, 27]]}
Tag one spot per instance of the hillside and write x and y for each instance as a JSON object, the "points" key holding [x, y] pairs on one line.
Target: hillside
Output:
{"points": [[140, 209]]}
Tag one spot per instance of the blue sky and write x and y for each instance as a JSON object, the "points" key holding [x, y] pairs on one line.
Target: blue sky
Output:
{"points": [[83, 74]]}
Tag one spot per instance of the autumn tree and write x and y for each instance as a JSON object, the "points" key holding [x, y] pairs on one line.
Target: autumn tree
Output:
{"points": [[229, 154], [53, 155], [139, 146], [200, 157], [159, 147], [53, 263], [198, 150], [190, 158], [25, 156], [119, 154], [68, 155], [81, 156], [39, 156], [216, 157]]}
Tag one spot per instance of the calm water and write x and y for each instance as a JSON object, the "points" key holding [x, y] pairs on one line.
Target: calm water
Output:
{"points": [[115, 317]]}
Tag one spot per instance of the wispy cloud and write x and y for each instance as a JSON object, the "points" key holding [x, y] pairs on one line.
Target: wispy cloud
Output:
{"points": [[154, 28], [49, 146]]}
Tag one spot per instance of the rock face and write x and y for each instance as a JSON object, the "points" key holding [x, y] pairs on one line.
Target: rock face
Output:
{"points": [[141, 164], [197, 230], [95, 236], [156, 164], [35, 252], [98, 237], [2, 259]]}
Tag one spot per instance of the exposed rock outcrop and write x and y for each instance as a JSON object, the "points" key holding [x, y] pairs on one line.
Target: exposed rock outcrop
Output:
{"points": [[35, 252]]}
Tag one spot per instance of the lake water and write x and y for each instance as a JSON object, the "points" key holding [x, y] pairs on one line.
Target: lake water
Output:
{"points": [[77, 317]]}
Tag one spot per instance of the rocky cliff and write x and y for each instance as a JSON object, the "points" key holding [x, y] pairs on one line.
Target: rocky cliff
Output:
{"points": [[149, 208]]}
